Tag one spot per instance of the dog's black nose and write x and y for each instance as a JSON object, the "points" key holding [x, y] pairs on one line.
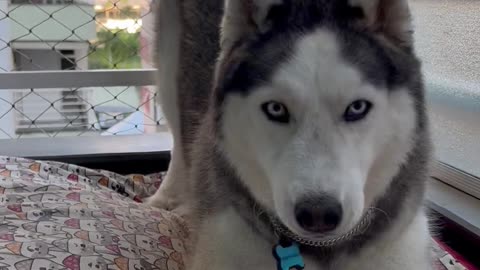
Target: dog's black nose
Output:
{"points": [[319, 215]]}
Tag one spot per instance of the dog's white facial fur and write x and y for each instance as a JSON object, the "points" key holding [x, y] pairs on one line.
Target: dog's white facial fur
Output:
{"points": [[318, 152]]}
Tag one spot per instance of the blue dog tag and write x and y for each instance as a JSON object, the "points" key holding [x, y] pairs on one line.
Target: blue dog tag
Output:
{"points": [[288, 257]]}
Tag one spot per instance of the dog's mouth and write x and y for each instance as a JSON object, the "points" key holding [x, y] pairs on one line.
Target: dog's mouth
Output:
{"points": [[283, 231]]}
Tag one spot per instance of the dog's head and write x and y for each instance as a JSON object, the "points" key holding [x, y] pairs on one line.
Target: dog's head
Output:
{"points": [[318, 102]]}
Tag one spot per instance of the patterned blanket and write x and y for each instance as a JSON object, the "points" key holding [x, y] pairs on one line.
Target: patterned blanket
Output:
{"points": [[61, 216]]}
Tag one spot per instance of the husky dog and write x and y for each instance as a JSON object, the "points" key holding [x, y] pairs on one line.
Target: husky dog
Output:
{"points": [[310, 131]]}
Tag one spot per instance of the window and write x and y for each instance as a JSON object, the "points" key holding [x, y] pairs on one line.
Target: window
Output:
{"points": [[45, 37], [448, 42]]}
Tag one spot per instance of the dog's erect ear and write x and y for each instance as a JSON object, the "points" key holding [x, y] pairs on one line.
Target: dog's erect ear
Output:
{"points": [[243, 18], [390, 18]]}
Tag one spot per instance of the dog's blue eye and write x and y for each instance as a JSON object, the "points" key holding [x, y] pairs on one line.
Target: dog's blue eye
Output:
{"points": [[276, 112], [357, 110]]}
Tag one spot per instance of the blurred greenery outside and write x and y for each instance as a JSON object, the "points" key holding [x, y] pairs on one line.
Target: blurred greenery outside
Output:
{"points": [[116, 49]]}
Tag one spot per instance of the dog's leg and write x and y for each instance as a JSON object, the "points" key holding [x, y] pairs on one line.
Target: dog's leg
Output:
{"points": [[168, 53], [173, 191]]}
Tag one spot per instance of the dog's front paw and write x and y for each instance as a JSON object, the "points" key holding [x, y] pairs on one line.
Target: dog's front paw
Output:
{"points": [[166, 202], [163, 201]]}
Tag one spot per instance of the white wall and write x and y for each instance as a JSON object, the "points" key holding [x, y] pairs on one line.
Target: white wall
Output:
{"points": [[80, 53], [448, 39], [77, 17]]}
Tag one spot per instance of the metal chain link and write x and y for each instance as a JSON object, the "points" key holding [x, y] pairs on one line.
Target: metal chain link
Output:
{"points": [[281, 230]]}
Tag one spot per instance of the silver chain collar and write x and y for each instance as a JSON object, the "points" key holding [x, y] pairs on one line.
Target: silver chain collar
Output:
{"points": [[281, 230]]}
